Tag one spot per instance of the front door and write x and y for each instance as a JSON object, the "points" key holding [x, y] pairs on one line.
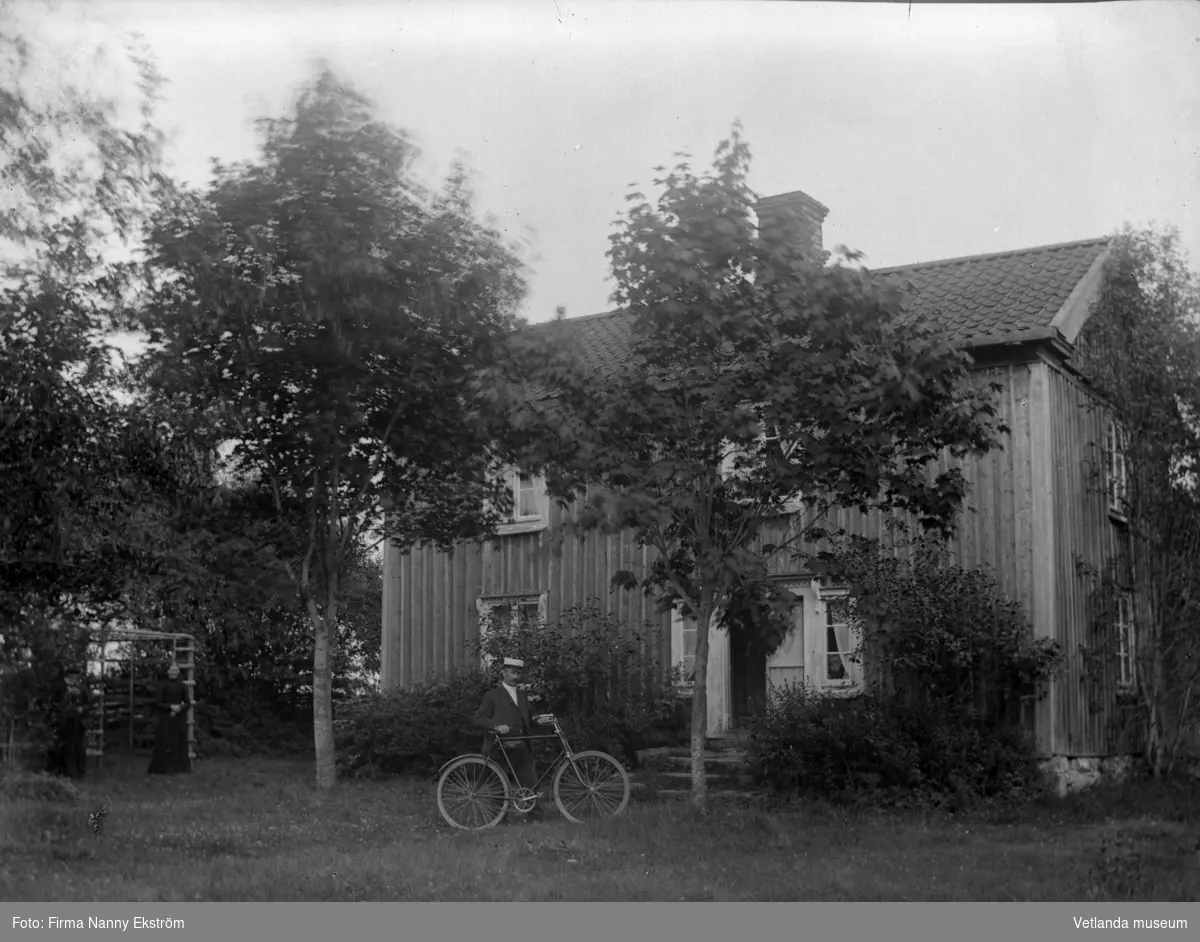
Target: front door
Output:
{"points": [[786, 666], [748, 670], [753, 674]]}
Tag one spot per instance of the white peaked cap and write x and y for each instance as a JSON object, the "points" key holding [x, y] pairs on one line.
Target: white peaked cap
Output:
{"points": [[513, 662]]}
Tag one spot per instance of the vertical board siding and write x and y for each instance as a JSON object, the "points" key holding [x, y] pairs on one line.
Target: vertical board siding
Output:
{"points": [[407, 578], [1042, 553], [389, 640], [435, 593], [995, 533], [994, 530], [1087, 696], [433, 602], [430, 599]]}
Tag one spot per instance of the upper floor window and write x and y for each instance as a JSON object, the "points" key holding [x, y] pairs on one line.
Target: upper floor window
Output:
{"points": [[739, 463], [529, 506], [1116, 478], [527, 496]]}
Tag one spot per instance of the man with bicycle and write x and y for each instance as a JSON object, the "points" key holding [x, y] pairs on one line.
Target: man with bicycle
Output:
{"points": [[505, 711]]}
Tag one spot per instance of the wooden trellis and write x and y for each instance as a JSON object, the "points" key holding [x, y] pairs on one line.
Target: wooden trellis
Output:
{"points": [[183, 653]]}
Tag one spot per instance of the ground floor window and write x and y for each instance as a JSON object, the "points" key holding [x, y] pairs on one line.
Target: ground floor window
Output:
{"points": [[837, 642], [683, 648], [1126, 642], [510, 614]]}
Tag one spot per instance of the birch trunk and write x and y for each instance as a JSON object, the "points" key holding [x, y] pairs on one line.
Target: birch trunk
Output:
{"points": [[699, 796], [322, 684]]}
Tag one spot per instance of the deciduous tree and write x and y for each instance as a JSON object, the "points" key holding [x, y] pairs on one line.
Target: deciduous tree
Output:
{"points": [[756, 375], [1141, 352], [80, 152], [331, 309], [80, 165]]}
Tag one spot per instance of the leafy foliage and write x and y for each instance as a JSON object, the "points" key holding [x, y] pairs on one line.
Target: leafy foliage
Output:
{"points": [[31, 654], [411, 729], [80, 155], [603, 681], [1140, 350], [600, 680], [88, 487], [885, 752], [330, 310], [937, 635], [84, 477], [755, 374], [950, 661]]}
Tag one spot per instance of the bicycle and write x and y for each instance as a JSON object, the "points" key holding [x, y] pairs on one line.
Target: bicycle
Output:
{"points": [[477, 787]]}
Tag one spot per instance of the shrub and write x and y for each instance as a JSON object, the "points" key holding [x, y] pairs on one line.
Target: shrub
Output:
{"points": [[938, 636], [602, 682], [414, 729], [240, 727], [864, 748], [948, 661], [966, 759], [829, 746]]}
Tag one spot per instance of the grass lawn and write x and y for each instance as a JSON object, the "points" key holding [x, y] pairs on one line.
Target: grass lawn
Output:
{"points": [[256, 830]]}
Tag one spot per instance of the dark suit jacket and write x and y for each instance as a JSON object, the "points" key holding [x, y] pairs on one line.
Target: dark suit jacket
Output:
{"points": [[498, 709]]}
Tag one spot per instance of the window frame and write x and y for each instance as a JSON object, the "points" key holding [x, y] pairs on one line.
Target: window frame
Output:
{"points": [[795, 503], [525, 523], [679, 627], [730, 454], [1126, 628], [517, 480], [485, 603], [853, 684], [1116, 469]]}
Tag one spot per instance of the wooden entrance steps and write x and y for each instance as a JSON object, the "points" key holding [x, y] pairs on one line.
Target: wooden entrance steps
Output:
{"points": [[666, 773]]}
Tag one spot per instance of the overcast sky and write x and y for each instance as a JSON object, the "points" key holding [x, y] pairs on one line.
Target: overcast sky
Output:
{"points": [[942, 131]]}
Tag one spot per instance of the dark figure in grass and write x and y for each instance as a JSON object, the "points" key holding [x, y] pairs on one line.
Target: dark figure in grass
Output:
{"points": [[505, 711], [68, 755], [171, 751]]}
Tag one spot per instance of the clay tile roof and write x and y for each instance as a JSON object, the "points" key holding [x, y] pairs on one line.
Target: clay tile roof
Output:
{"points": [[603, 339], [1004, 293], [1000, 295]]}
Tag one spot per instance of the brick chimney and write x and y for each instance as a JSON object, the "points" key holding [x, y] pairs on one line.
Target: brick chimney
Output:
{"points": [[809, 216]]}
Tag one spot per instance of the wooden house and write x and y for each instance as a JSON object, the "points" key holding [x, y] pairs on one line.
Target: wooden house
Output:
{"points": [[1033, 514]]}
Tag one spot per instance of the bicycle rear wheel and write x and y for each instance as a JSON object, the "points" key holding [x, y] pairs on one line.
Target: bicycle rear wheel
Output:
{"points": [[592, 786], [472, 793]]}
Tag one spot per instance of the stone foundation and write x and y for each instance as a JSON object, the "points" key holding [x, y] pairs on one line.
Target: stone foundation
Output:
{"points": [[1074, 774]]}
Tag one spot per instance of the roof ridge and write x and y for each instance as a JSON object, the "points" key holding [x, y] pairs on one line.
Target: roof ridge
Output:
{"points": [[578, 317], [986, 255], [583, 321]]}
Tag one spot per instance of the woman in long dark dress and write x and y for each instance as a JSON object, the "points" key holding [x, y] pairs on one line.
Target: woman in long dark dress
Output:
{"points": [[69, 754], [171, 747]]}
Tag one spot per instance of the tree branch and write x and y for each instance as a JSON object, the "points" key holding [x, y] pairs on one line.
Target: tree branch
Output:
{"points": [[659, 543]]}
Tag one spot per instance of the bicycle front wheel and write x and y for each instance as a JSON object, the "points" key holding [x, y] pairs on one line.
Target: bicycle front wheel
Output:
{"points": [[591, 786], [472, 793]]}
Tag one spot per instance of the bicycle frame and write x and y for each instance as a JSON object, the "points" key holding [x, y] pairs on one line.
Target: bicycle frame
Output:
{"points": [[564, 752]]}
